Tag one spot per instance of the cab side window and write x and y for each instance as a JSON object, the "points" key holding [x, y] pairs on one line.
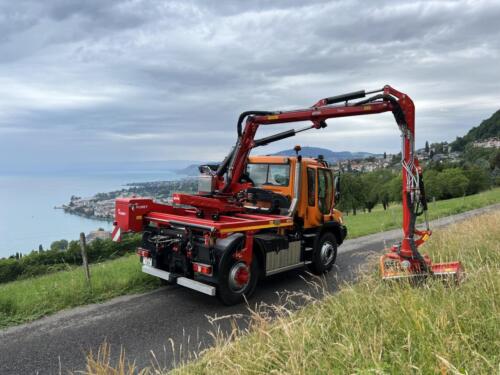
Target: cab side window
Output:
{"points": [[269, 174], [258, 173], [278, 175], [311, 186]]}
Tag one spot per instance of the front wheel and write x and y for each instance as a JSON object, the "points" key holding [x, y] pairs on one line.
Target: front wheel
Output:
{"points": [[237, 280], [325, 253]]}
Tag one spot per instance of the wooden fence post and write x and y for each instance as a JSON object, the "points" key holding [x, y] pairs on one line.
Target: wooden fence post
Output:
{"points": [[85, 262]]}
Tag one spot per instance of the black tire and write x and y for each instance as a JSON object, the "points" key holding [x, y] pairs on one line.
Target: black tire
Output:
{"points": [[230, 293], [324, 254]]}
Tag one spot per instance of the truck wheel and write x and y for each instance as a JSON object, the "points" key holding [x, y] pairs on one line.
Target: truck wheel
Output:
{"points": [[324, 255], [236, 280]]}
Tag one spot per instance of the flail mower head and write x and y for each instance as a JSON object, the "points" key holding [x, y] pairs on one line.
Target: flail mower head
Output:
{"points": [[394, 266]]}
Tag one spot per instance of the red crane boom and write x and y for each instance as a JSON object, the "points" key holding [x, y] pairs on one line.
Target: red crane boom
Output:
{"points": [[405, 256]]}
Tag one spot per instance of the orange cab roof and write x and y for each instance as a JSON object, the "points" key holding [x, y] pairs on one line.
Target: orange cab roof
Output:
{"points": [[277, 159]]}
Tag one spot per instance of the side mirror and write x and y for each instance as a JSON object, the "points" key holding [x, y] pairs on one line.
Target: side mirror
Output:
{"points": [[337, 187]]}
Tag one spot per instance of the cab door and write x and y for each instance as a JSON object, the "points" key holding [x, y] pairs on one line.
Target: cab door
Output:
{"points": [[319, 195], [325, 192]]}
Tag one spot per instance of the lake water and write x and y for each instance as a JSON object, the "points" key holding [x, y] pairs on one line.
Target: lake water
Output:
{"points": [[27, 215]]}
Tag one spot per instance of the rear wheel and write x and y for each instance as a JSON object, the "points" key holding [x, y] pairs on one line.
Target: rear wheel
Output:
{"points": [[237, 280], [325, 253]]}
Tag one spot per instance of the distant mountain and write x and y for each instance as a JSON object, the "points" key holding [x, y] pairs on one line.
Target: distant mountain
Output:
{"points": [[329, 155], [488, 128], [312, 152], [192, 169]]}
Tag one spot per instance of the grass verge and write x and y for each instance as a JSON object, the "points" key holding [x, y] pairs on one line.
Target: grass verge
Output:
{"points": [[375, 327], [379, 220], [30, 299], [371, 326]]}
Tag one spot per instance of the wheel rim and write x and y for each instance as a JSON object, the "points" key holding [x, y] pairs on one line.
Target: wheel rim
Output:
{"points": [[239, 277], [327, 253]]}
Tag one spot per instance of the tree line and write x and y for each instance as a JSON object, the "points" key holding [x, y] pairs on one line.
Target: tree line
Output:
{"points": [[478, 171]]}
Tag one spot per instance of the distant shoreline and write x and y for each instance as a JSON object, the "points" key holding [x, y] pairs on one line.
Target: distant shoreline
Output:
{"points": [[101, 206]]}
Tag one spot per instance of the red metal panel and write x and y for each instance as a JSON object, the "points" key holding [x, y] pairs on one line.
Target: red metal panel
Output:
{"points": [[243, 222]]}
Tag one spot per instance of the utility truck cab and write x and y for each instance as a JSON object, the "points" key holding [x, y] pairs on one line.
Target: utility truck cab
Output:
{"points": [[307, 185]]}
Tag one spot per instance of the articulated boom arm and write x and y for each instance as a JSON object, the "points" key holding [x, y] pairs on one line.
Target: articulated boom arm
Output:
{"points": [[384, 100]]}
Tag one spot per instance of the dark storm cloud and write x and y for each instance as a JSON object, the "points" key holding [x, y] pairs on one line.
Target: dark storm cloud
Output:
{"points": [[162, 80]]}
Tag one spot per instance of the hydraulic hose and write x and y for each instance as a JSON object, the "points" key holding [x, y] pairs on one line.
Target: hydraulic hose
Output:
{"points": [[397, 111], [250, 113]]}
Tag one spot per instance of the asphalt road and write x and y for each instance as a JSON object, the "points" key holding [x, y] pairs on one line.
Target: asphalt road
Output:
{"points": [[150, 322]]}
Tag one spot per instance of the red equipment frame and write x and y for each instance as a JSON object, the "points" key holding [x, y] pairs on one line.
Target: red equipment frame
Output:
{"points": [[226, 212], [389, 100]]}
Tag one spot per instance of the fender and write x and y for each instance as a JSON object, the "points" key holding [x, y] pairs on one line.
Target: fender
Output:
{"points": [[225, 247], [339, 230]]}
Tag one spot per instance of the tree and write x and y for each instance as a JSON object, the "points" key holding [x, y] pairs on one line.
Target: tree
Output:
{"points": [[434, 187], [59, 245], [351, 192], [473, 154], [495, 160], [393, 188], [479, 179], [427, 147], [369, 186], [458, 144], [382, 186], [385, 155], [396, 158], [437, 147], [454, 181]]}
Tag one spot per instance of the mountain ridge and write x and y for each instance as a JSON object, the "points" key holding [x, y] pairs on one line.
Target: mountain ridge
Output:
{"points": [[329, 155], [306, 151]]}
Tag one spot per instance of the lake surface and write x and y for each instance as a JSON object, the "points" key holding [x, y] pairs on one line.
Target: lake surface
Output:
{"points": [[27, 215]]}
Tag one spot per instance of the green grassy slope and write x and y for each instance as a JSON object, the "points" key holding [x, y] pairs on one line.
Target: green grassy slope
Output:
{"points": [[377, 328], [379, 220], [26, 300]]}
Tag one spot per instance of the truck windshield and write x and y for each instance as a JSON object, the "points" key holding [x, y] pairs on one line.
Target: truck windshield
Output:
{"points": [[269, 174]]}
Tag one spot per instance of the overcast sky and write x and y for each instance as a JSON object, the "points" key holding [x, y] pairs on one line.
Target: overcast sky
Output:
{"points": [[84, 81]]}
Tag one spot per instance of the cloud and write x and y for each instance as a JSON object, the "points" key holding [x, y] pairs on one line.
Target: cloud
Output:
{"points": [[170, 78]]}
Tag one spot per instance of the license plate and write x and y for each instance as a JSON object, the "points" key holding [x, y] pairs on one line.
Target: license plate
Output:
{"points": [[147, 261]]}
